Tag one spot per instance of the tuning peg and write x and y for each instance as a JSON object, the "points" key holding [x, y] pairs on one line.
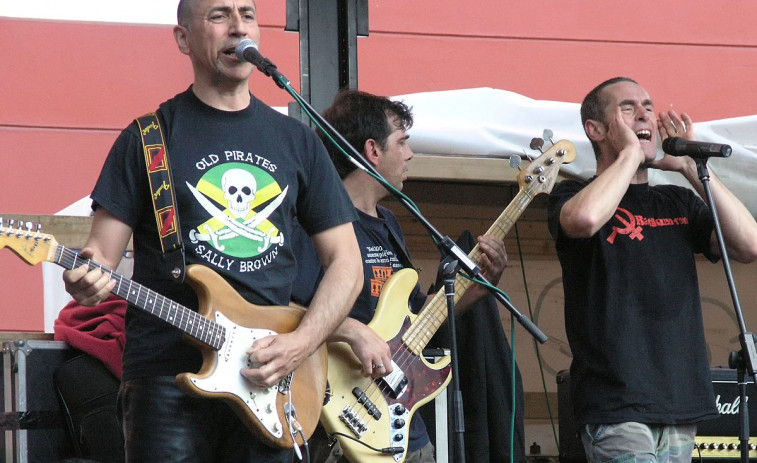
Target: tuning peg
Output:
{"points": [[19, 229], [515, 162], [536, 143], [548, 135]]}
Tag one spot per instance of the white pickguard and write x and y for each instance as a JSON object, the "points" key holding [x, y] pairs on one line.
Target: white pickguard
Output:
{"points": [[226, 377]]}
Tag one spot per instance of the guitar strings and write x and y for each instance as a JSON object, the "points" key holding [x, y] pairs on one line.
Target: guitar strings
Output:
{"points": [[408, 351], [434, 315], [198, 326]]}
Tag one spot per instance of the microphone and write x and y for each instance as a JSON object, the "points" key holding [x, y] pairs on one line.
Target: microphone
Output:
{"points": [[677, 146], [247, 50]]}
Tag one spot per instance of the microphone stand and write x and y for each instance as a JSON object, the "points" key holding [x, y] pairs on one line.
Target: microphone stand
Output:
{"points": [[445, 244], [449, 268], [447, 247], [744, 360]]}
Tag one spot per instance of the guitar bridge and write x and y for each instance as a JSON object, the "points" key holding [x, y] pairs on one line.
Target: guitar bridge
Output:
{"points": [[396, 381], [355, 424]]}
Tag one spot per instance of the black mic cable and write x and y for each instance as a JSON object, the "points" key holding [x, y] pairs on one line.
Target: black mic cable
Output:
{"points": [[385, 450]]}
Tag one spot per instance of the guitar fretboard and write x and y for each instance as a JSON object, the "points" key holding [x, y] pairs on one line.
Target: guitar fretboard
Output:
{"points": [[435, 313], [177, 315]]}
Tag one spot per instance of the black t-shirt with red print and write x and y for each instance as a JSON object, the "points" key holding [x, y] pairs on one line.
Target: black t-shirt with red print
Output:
{"points": [[633, 314]]}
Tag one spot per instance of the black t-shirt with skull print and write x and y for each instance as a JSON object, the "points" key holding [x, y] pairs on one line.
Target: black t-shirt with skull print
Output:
{"points": [[239, 178]]}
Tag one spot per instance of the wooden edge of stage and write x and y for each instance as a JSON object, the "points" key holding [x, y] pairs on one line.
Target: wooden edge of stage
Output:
{"points": [[474, 169], [461, 169], [68, 230], [11, 336]]}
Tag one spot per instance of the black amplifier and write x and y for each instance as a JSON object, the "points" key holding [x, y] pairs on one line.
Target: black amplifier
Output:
{"points": [[717, 439]]}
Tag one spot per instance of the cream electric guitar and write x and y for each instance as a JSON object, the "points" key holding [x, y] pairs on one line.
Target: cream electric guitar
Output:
{"points": [[377, 413], [224, 329]]}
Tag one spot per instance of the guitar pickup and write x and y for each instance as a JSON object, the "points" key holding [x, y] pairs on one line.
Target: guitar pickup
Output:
{"points": [[363, 399], [396, 381]]}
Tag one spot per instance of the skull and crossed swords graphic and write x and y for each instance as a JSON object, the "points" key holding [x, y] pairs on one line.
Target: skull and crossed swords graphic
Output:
{"points": [[240, 188]]}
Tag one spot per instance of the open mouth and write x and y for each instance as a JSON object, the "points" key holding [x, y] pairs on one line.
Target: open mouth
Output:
{"points": [[644, 135], [231, 51]]}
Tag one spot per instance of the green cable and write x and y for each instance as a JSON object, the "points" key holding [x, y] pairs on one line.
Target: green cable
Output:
{"points": [[536, 344]]}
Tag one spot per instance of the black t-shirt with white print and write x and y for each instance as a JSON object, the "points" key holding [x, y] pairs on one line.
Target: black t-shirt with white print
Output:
{"points": [[240, 178]]}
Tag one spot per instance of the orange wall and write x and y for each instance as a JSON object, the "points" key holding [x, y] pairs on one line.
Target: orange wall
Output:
{"points": [[66, 88]]}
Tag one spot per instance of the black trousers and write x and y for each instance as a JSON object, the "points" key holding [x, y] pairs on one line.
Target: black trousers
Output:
{"points": [[164, 425]]}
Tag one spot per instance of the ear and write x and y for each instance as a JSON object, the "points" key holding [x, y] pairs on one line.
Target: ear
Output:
{"points": [[595, 130], [371, 151], [180, 34]]}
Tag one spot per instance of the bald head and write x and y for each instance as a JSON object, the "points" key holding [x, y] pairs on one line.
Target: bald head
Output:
{"points": [[184, 12], [187, 8]]}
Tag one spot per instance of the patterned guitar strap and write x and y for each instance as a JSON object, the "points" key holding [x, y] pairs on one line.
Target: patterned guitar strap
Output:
{"points": [[163, 198]]}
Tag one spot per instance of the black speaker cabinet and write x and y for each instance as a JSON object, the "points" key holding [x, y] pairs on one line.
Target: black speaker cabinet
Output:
{"points": [[717, 439], [34, 426], [571, 448]]}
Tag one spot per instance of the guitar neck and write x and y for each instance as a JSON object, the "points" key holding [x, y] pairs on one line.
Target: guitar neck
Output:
{"points": [[435, 313], [173, 313]]}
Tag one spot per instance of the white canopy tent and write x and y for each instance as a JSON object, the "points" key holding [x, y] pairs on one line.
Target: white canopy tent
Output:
{"points": [[492, 123]]}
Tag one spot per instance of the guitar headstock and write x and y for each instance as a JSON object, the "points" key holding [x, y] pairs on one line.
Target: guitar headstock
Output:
{"points": [[29, 244], [540, 175]]}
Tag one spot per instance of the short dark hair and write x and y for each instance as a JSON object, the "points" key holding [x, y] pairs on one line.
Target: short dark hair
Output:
{"points": [[593, 106], [360, 116], [184, 12]]}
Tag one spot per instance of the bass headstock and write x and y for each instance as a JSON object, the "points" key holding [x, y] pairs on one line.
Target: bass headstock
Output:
{"points": [[540, 174]]}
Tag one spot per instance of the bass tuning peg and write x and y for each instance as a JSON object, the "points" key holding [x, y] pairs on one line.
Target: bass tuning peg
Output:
{"points": [[548, 135], [536, 144]]}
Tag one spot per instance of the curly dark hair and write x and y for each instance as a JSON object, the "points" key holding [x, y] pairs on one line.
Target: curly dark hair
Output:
{"points": [[360, 116]]}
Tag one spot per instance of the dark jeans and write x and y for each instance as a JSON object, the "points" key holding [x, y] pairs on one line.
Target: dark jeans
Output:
{"points": [[163, 425]]}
